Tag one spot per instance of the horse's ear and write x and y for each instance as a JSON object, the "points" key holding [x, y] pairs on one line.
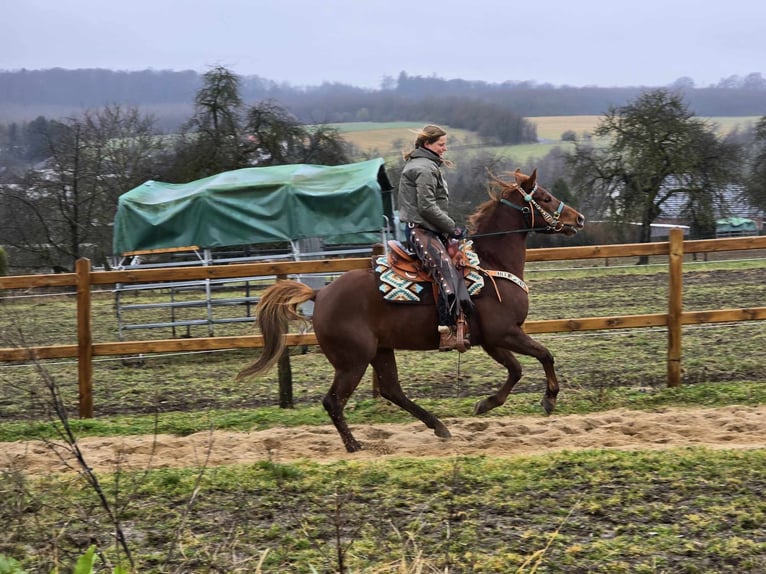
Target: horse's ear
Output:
{"points": [[533, 178]]}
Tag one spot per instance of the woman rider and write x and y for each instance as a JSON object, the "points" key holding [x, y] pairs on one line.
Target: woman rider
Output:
{"points": [[423, 201]]}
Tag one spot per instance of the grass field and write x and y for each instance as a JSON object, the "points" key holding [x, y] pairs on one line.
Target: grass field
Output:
{"points": [[393, 138]]}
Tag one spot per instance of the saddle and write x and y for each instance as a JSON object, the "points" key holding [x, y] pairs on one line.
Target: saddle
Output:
{"points": [[405, 262], [402, 277]]}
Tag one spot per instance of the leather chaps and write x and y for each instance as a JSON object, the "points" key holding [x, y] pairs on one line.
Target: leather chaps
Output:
{"points": [[431, 249]]}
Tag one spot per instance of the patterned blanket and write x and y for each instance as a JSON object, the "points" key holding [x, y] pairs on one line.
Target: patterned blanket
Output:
{"points": [[400, 286]]}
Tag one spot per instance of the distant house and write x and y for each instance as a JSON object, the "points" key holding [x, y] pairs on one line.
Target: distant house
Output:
{"points": [[731, 205]]}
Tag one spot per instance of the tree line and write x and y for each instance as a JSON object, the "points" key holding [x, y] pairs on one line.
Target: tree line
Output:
{"points": [[329, 103], [401, 98]]}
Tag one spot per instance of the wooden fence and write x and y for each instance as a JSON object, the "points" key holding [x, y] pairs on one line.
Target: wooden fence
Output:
{"points": [[84, 279]]}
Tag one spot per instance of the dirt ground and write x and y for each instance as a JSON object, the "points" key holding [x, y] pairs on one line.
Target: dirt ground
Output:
{"points": [[732, 427]]}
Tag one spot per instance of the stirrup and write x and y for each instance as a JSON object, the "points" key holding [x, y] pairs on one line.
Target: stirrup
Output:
{"points": [[462, 336], [451, 339]]}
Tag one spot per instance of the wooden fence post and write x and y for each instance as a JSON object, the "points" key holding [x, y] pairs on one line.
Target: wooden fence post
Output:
{"points": [[377, 249], [285, 373], [84, 339], [675, 305]]}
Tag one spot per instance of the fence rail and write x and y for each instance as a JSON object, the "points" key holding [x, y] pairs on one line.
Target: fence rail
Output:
{"points": [[84, 279]]}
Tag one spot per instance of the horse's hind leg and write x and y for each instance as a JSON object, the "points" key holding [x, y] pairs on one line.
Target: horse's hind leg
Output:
{"points": [[343, 385], [384, 364], [505, 358], [526, 345]]}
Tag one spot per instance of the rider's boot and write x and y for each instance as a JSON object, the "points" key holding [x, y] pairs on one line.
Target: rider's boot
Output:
{"points": [[447, 338], [453, 338]]}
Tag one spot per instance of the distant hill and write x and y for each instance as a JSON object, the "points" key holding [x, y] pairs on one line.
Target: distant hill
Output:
{"points": [[26, 94]]}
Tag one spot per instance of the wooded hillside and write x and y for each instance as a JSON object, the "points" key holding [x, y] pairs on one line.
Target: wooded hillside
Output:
{"points": [[25, 94]]}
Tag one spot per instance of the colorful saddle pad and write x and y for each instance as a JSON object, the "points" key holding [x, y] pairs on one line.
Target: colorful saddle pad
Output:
{"points": [[400, 284]]}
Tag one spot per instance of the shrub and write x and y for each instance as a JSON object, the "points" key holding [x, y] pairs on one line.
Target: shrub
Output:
{"points": [[8, 565], [569, 136]]}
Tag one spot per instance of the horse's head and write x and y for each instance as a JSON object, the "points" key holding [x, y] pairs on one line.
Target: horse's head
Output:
{"points": [[542, 211]]}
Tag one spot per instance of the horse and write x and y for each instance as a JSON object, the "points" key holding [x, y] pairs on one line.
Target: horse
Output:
{"points": [[355, 327]]}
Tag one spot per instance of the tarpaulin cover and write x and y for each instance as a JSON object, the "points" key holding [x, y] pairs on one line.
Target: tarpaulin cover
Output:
{"points": [[254, 205], [735, 225]]}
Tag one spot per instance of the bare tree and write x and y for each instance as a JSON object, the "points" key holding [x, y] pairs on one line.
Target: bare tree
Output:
{"points": [[274, 136], [225, 135], [211, 141], [63, 210], [654, 148], [756, 181]]}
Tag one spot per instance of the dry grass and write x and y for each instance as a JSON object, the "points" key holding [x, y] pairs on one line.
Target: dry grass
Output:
{"points": [[551, 127], [392, 138]]}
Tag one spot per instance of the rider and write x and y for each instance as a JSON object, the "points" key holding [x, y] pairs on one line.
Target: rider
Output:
{"points": [[423, 201]]}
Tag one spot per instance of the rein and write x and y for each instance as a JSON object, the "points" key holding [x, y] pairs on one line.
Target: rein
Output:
{"points": [[472, 235]]}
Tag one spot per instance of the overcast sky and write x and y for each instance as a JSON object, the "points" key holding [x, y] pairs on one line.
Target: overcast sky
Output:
{"points": [[359, 42]]}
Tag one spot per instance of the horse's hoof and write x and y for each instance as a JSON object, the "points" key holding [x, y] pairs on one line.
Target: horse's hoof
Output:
{"points": [[353, 446], [442, 432], [484, 406], [548, 405]]}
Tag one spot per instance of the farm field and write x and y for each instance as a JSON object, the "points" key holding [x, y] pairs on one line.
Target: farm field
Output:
{"points": [[207, 474], [389, 140]]}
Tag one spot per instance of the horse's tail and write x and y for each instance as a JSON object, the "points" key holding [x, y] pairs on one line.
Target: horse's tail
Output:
{"points": [[277, 307]]}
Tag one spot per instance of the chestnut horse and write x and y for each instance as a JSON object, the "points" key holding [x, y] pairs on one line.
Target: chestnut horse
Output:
{"points": [[355, 327]]}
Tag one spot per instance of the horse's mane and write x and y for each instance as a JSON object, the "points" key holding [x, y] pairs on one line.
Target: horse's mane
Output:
{"points": [[497, 189]]}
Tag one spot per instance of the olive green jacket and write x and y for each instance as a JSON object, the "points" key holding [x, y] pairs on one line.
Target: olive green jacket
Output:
{"points": [[423, 196]]}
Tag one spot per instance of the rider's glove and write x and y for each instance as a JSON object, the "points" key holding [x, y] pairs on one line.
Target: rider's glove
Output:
{"points": [[458, 233]]}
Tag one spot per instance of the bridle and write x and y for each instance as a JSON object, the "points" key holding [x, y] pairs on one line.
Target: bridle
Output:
{"points": [[551, 218]]}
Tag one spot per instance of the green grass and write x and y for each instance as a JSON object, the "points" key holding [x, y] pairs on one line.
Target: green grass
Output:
{"points": [[684, 510], [522, 154]]}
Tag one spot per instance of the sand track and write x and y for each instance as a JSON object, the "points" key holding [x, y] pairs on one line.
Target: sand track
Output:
{"points": [[730, 427]]}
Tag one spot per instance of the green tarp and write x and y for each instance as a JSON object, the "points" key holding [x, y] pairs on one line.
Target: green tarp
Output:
{"points": [[255, 205], [735, 225]]}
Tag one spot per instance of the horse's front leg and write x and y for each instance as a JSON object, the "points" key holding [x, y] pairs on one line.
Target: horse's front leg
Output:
{"points": [[526, 345], [552, 383]]}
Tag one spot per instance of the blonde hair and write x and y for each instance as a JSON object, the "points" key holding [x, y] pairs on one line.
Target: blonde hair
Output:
{"points": [[428, 135]]}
